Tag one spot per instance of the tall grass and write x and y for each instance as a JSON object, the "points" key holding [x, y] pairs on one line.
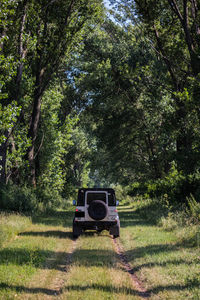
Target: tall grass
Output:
{"points": [[10, 225], [184, 220], [193, 209]]}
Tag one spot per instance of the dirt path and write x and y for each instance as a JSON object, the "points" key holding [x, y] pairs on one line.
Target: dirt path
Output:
{"points": [[93, 266], [137, 284], [51, 282], [58, 281], [44, 262]]}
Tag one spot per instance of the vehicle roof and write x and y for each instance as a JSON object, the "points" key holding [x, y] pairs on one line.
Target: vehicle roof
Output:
{"points": [[97, 189]]}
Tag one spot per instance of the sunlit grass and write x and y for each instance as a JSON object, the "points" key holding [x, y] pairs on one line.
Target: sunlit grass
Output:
{"points": [[96, 273], [34, 254], [26, 254], [11, 225], [167, 264]]}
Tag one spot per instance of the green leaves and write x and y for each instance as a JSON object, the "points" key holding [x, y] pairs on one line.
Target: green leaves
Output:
{"points": [[8, 118]]}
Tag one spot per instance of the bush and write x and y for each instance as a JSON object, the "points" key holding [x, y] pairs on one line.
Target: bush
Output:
{"points": [[28, 200], [121, 194], [189, 235], [176, 186], [20, 199], [48, 200], [137, 189], [168, 223]]}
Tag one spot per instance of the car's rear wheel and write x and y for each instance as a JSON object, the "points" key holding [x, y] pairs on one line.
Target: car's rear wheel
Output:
{"points": [[115, 230], [77, 230], [115, 236]]}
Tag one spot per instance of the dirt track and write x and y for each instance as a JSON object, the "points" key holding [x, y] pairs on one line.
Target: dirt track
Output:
{"points": [[51, 284], [137, 284]]}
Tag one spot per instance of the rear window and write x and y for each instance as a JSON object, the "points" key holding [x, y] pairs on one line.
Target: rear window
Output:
{"points": [[80, 201], [96, 196], [111, 200]]}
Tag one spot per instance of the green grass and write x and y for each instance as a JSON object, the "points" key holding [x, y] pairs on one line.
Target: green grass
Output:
{"points": [[168, 265], [26, 253], [11, 225], [95, 272], [34, 256]]}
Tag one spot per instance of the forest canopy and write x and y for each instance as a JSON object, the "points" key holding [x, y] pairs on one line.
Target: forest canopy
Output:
{"points": [[98, 95]]}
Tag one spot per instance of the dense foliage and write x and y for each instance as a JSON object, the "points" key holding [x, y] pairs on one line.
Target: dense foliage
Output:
{"points": [[95, 99]]}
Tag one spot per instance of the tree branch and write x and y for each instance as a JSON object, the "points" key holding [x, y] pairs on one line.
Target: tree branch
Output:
{"points": [[175, 8], [42, 140]]}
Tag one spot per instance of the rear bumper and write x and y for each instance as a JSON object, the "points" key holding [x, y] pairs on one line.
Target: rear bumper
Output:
{"points": [[96, 224]]}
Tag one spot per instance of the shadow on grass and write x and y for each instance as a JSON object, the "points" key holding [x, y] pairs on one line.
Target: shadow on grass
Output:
{"points": [[91, 233], [131, 218], [175, 262], [150, 250], [57, 218], [128, 291], [103, 288], [51, 292], [174, 287], [49, 233], [41, 259], [20, 288], [38, 258], [83, 257]]}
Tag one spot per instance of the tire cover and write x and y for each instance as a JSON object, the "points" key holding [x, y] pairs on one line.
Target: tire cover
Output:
{"points": [[97, 210]]}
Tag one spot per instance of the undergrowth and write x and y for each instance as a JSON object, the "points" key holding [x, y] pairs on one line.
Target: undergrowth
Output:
{"points": [[175, 185], [184, 220], [30, 200]]}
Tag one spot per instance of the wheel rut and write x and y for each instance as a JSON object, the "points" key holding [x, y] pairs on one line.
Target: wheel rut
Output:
{"points": [[143, 293], [49, 282], [58, 283]]}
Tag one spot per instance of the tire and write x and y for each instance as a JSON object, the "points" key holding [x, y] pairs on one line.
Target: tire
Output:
{"points": [[76, 231], [115, 231], [97, 210], [115, 236]]}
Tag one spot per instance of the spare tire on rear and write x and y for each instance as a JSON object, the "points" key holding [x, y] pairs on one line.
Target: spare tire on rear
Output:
{"points": [[97, 210]]}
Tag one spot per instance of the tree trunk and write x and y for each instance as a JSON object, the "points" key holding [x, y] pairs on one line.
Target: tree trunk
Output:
{"points": [[191, 38], [22, 50], [33, 129], [3, 156], [152, 160]]}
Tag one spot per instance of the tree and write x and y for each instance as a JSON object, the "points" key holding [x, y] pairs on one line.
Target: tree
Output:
{"points": [[44, 34], [129, 108], [56, 31], [172, 29]]}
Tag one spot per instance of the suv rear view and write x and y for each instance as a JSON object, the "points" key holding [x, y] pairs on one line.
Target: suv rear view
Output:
{"points": [[96, 210]]}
